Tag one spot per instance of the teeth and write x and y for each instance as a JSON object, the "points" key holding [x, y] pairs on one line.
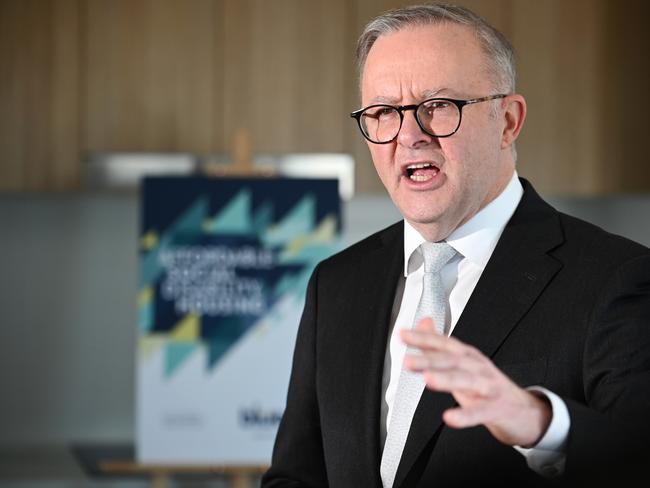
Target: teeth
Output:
{"points": [[411, 168], [420, 177]]}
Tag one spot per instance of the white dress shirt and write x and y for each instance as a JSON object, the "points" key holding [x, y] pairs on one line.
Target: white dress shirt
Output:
{"points": [[474, 242]]}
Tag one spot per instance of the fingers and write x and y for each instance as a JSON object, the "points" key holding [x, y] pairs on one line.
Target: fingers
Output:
{"points": [[436, 350], [460, 381], [424, 336], [425, 324], [460, 418], [448, 364], [473, 414], [485, 395], [439, 360], [520, 420]]}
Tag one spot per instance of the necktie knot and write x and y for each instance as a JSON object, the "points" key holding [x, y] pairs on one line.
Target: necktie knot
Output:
{"points": [[436, 255]]}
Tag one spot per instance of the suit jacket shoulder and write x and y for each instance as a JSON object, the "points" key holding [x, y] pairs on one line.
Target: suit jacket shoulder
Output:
{"points": [[391, 237], [595, 241]]}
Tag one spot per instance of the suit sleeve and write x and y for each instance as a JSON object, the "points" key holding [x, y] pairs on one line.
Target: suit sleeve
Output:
{"points": [[609, 437], [298, 458]]}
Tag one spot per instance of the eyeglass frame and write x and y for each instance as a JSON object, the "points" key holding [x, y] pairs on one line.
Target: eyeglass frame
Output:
{"points": [[415, 107]]}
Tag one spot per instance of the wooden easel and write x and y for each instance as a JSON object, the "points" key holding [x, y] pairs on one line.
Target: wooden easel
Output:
{"points": [[161, 474], [242, 160]]}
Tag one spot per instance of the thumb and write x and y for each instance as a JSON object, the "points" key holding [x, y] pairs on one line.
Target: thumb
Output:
{"points": [[425, 325]]}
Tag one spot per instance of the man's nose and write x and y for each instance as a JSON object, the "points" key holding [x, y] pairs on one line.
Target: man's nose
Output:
{"points": [[410, 134]]}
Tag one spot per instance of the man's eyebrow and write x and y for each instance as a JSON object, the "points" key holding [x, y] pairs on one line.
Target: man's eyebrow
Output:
{"points": [[426, 94], [387, 100], [436, 93]]}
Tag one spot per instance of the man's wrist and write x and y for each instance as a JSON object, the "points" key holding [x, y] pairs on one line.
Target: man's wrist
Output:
{"points": [[547, 457], [543, 409], [557, 432]]}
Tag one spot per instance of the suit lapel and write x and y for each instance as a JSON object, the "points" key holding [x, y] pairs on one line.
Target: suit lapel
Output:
{"points": [[376, 278], [517, 272]]}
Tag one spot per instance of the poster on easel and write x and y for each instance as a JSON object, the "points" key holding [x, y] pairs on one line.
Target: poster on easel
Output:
{"points": [[224, 266]]}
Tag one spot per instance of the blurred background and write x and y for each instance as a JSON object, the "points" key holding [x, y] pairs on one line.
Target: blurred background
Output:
{"points": [[82, 81]]}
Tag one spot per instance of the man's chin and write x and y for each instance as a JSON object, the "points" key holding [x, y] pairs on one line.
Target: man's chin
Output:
{"points": [[424, 213], [426, 220], [430, 226]]}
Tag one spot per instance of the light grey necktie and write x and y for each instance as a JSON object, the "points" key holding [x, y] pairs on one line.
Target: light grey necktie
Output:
{"points": [[410, 385]]}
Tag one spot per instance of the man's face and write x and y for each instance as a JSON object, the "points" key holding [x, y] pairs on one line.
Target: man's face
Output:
{"points": [[469, 168]]}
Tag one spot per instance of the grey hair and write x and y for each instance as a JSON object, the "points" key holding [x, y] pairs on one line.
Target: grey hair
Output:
{"points": [[499, 51]]}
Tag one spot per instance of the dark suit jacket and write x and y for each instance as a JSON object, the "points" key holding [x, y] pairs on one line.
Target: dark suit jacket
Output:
{"points": [[561, 304]]}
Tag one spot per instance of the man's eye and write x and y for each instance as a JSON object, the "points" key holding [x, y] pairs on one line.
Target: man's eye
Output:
{"points": [[439, 104], [381, 112], [437, 109]]}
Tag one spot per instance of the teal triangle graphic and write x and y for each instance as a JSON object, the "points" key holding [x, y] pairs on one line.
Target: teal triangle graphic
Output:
{"points": [[286, 283], [221, 340], [187, 224], [310, 253], [300, 220], [175, 355], [216, 350], [263, 217], [235, 217], [145, 318], [150, 269]]}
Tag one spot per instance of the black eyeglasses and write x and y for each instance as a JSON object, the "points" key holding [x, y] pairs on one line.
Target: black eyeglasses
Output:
{"points": [[438, 117]]}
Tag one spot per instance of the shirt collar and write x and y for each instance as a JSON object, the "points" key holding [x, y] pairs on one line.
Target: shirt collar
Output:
{"points": [[476, 238]]}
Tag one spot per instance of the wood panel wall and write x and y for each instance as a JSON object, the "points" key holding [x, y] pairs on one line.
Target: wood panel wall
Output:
{"points": [[561, 72], [85, 76], [39, 94], [286, 73], [152, 75]]}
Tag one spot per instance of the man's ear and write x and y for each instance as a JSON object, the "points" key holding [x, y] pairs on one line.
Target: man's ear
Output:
{"points": [[514, 115]]}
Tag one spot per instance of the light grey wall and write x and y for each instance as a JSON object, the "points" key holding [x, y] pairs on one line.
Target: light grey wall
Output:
{"points": [[68, 281], [68, 267]]}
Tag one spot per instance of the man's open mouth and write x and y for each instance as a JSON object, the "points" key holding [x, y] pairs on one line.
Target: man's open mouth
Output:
{"points": [[421, 171]]}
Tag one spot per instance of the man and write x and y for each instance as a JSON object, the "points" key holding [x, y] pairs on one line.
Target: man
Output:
{"points": [[535, 368]]}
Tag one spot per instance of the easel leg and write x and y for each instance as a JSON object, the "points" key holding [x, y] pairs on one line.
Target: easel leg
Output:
{"points": [[160, 479], [240, 480]]}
